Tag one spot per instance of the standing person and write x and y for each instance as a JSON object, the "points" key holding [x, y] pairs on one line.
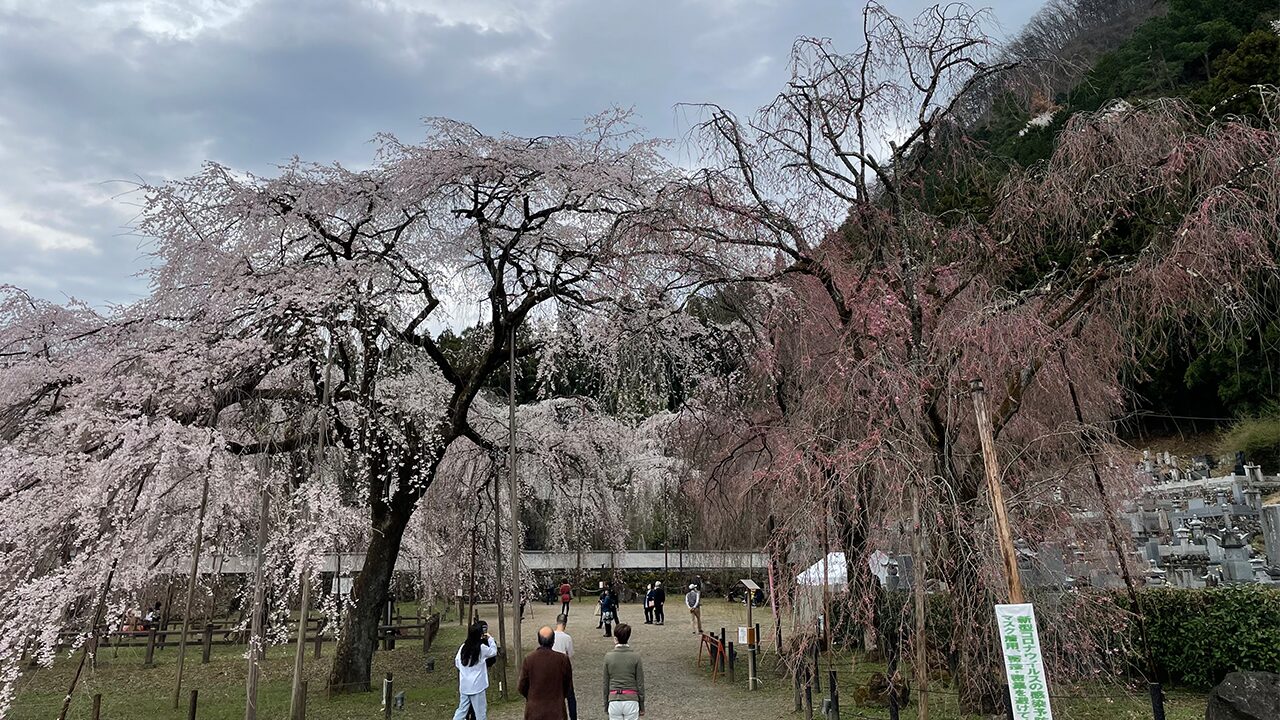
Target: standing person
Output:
{"points": [[623, 679], [603, 603], [546, 680], [564, 646], [693, 599], [473, 672], [659, 598], [566, 595], [648, 604], [608, 612]]}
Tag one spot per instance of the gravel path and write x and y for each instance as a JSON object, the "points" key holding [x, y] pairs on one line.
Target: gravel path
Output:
{"points": [[675, 690]]}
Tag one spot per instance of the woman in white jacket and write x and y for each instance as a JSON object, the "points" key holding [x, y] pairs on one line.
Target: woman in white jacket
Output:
{"points": [[473, 672]]}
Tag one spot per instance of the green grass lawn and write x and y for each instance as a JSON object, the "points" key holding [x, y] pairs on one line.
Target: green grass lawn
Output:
{"points": [[130, 691]]}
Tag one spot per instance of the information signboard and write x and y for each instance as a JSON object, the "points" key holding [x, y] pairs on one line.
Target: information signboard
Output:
{"points": [[1023, 663]]}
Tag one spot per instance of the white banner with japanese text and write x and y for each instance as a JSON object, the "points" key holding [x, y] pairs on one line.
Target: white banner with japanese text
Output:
{"points": [[1023, 664]]}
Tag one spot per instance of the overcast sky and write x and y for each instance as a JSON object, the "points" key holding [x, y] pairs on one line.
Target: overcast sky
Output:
{"points": [[95, 94]]}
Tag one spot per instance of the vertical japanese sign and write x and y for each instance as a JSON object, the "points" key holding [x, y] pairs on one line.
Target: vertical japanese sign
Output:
{"points": [[1020, 642]]}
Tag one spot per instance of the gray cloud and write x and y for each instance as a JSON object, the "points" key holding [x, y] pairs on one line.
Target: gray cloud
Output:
{"points": [[96, 95]]}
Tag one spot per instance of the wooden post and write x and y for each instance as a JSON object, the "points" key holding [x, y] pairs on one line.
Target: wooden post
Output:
{"points": [[732, 674], [920, 641], [817, 668], [191, 591], [97, 706], [319, 636], [151, 647], [259, 598], [992, 466], [384, 627], [808, 691], [297, 696], [771, 526], [207, 644], [515, 503], [165, 613], [795, 682], [302, 703], [299, 652], [191, 705]]}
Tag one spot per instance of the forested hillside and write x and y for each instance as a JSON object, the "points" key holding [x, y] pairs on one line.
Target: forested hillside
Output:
{"points": [[1210, 54]]}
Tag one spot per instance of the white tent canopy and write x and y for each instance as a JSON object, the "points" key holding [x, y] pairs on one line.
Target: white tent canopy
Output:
{"points": [[836, 570], [832, 571]]}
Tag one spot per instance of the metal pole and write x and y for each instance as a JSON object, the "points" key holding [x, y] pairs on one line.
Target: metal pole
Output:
{"points": [[992, 465], [503, 650], [515, 503], [191, 591], [1089, 449]]}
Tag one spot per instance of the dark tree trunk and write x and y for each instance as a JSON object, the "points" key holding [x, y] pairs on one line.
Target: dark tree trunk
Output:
{"points": [[353, 658], [974, 640]]}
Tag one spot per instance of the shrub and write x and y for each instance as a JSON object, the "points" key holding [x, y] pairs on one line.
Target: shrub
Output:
{"points": [[1198, 636], [1259, 438]]}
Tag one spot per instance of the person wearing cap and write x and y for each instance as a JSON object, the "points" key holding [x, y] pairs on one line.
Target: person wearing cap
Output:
{"points": [[623, 678], [693, 599], [659, 597]]}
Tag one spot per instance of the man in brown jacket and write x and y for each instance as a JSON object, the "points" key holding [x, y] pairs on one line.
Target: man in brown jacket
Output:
{"points": [[546, 680]]}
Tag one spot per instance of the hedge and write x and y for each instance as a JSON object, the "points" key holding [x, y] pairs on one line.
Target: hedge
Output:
{"points": [[1197, 636]]}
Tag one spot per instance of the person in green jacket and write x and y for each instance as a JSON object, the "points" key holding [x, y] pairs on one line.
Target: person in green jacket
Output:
{"points": [[623, 678]]}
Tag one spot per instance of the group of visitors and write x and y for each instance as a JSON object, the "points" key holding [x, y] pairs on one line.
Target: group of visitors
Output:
{"points": [[546, 676], [655, 596]]}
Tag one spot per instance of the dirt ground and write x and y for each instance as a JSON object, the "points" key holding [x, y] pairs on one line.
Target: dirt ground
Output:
{"points": [[674, 688]]}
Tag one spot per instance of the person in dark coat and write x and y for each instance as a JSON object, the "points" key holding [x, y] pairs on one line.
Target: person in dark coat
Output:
{"points": [[608, 612], [546, 680], [659, 597]]}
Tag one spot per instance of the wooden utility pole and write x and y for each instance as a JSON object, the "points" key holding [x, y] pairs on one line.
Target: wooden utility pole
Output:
{"points": [[770, 548], [515, 504], [191, 589], [297, 697], [998, 509], [920, 644], [259, 598]]}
